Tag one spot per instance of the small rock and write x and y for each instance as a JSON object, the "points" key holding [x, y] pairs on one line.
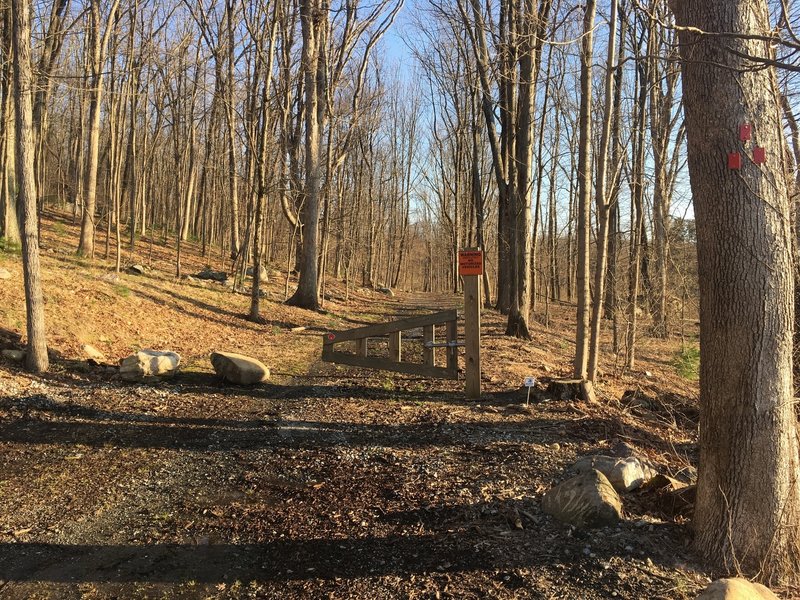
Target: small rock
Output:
{"points": [[93, 353], [623, 450], [637, 399], [5, 273], [587, 500], [662, 483], [736, 588], [625, 474], [13, 355], [238, 368], [135, 270], [687, 475], [149, 364], [547, 368]]}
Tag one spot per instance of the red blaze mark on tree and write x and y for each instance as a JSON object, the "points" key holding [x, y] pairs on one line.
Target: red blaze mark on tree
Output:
{"points": [[745, 129]]}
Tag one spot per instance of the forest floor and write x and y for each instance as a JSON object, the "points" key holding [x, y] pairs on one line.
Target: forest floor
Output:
{"points": [[326, 482]]}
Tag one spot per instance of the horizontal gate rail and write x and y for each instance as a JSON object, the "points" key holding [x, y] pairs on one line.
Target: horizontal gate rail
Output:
{"points": [[394, 330]]}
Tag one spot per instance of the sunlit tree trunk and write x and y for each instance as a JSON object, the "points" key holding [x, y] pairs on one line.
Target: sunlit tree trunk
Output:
{"points": [[747, 513]]}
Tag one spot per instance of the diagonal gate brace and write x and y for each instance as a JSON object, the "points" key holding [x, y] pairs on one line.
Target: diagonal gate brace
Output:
{"points": [[394, 330]]}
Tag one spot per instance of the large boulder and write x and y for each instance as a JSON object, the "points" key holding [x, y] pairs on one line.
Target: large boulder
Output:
{"points": [[238, 368], [736, 588], [586, 500], [147, 365], [625, 474]]}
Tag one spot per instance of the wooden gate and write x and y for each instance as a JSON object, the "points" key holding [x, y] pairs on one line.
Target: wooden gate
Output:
{"points": [[394, 331]]}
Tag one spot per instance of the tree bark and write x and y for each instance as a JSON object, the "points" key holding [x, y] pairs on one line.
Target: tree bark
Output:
{"points": [[581, 365], [747, 513], [36, 357], [98, 49], [313, 18]]}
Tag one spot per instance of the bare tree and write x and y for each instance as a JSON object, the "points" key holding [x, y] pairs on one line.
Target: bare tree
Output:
{"points": [[97, 47], [36, 357]]}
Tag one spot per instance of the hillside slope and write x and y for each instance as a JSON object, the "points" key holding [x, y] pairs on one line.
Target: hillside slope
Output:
{"points": [[327, 481]]}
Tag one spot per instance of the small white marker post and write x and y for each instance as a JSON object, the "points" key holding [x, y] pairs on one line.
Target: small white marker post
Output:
{"points": [[529, 383], [470, 267]]}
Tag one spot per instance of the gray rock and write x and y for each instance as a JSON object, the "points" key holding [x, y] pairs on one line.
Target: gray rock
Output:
{"points": [[736, 588], [625, 474], [212, 275], [5, 273], [587, 500], [135, 270], [238, 368], [13, 355], [262, 271], [93, 353], [386, 291], [149, 364]]}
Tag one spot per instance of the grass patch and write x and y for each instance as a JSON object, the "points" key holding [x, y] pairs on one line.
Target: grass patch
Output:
{"points": [[59, 229], [122, 290], [687, 363], [9, 247]]}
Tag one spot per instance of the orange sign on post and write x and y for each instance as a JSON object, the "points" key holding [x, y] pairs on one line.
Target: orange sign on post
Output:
{"points": [[470, 262]]}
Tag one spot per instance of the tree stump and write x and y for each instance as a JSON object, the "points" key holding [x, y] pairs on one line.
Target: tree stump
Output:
{"points": [[572, 389]]}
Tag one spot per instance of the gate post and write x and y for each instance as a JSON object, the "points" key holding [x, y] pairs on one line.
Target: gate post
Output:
{"points": [[470, 267]]}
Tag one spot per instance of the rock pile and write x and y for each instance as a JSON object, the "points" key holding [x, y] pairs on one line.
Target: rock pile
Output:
{"points": [[592, 497]]}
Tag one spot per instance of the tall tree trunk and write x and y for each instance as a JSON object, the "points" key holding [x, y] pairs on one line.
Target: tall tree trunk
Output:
{"points": [[581, 365], [313, 18], [36, 357], [604, 198], [9, 224], [97, 47], [747, 512]]}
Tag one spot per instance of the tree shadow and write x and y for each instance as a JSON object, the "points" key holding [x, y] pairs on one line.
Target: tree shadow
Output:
{"points": [[466, 549]]}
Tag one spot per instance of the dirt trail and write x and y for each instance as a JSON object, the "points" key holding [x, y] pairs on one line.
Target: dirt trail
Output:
{"points": [[345, 483]]}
